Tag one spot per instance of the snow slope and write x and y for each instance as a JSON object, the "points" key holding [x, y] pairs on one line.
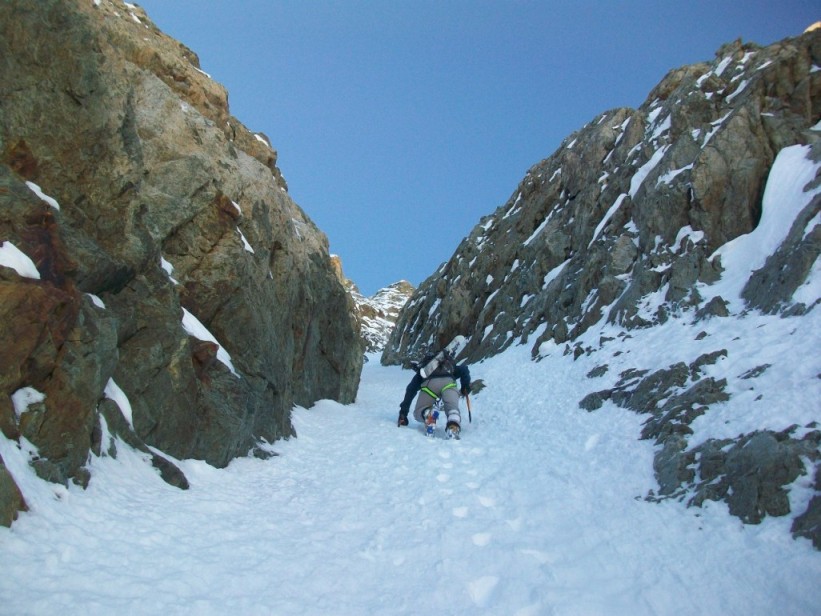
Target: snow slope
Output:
{"points": [[539, 509]]}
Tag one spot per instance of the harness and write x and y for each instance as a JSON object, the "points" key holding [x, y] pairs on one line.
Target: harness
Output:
{"points": [[429, 391]]}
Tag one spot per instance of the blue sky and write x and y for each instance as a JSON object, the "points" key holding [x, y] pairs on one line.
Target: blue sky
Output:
{"points": [[400, 123]]}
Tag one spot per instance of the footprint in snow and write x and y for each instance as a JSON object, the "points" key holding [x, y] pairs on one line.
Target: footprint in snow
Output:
{"points": [[515, 524], [481, 539], [541, 557], [481, 589]]}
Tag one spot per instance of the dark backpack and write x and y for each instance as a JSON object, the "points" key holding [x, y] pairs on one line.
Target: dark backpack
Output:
{"points": [[441, 364]]}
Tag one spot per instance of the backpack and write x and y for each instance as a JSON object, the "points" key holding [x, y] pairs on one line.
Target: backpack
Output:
{"points": [[441, 364]]}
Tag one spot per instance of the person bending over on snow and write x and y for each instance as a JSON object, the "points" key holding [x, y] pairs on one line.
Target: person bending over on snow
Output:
{"points": [[434, 381]]}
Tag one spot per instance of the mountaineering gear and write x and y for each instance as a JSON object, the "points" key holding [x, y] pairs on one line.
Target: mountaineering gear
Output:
{"points": [[403, 419], [434, 389], [432, 394], [452, 430], [427, 368], [430, 365], [435, 382], [460, 372], [430, 416], [441, 364]]}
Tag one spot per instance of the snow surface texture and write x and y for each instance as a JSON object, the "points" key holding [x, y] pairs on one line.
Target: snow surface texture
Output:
{"points": [[539, 509]]}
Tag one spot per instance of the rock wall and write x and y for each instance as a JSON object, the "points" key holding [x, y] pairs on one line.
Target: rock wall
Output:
{"points": [[635, 202], [622, 228], [170, 260]]}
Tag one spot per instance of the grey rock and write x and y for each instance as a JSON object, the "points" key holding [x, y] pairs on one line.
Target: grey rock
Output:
{"points": [[580, 239], [771, 288], [118, 427], [650, 390], [808, 524], [11, 499], [752, 473], [716, 307], [755, 372], [671, 465], [679, 410], [595, 400], [707, 359], [170, 472]]}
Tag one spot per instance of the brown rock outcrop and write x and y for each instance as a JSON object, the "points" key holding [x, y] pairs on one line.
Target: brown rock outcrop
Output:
{"points": [[171, 212]]}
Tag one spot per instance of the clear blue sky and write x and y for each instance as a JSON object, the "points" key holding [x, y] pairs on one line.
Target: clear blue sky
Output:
{"points": [[400, 123]]}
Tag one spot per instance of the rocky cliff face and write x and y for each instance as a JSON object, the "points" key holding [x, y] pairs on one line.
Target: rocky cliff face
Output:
{"points": [[629, 225], [179, 297]]}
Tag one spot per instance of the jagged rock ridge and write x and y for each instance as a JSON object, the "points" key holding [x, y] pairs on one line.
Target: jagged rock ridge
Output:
{"points": [[635, 202], [179, 298], [378, 313], [626, 227]]}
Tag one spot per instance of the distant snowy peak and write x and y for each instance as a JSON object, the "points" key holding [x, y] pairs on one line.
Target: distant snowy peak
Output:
{"points": [[392, 298], [378, 313]]}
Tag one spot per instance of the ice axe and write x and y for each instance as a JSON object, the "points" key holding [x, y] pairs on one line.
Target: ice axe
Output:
{"points": [[470, 416]]}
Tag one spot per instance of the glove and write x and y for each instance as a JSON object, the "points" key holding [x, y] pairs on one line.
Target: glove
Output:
{"points": [[403, 419], [464, 392]]}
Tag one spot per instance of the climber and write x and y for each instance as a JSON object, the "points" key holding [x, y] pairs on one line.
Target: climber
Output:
{"points": [[435, 378]]}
